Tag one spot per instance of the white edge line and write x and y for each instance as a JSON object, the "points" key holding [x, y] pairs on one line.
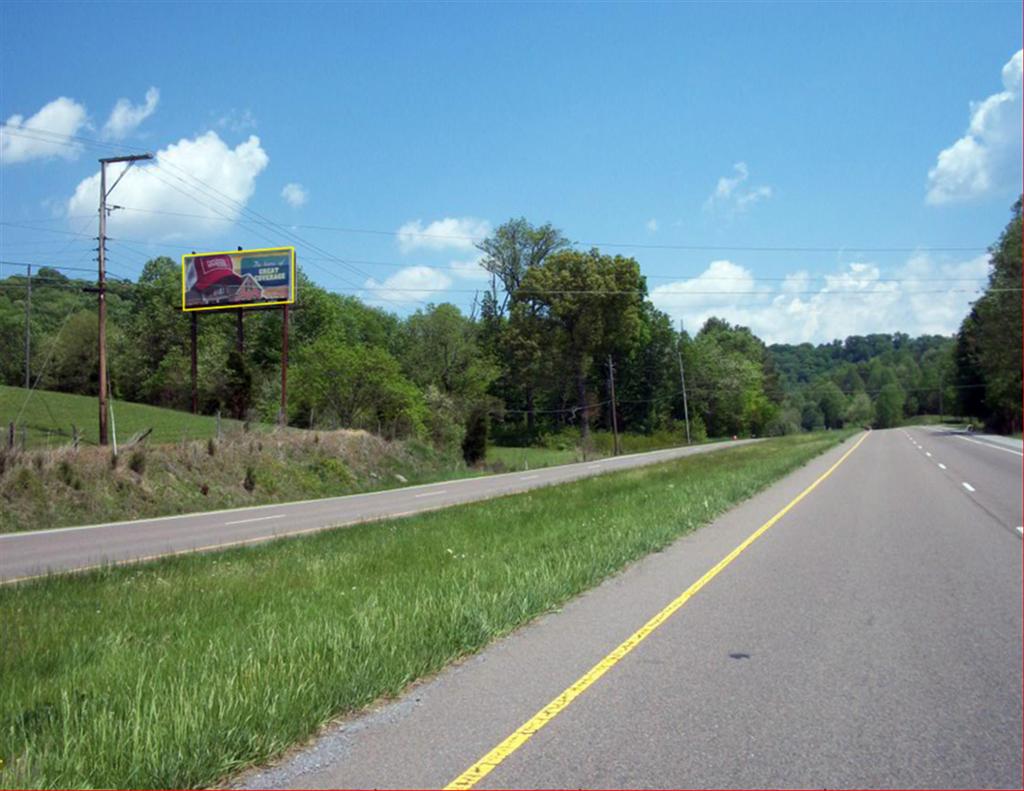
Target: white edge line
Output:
{"points": [[455, 481], [256, 519], [988, 445], [431, 494]]}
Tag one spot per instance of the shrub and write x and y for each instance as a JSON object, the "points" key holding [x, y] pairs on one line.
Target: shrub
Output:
{"points": [[137, 461], [474, 446], [250, 478]]}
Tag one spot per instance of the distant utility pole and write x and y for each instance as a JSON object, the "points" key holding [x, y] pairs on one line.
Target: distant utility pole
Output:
{"points": [[615, 421], [28, 330], [682, 381], [102, 279]]}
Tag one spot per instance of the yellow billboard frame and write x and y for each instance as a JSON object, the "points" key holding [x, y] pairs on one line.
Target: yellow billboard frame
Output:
{"points": [[240, 305]]}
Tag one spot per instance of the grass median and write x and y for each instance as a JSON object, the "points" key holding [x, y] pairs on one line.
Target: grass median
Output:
{"points": [[182, 671]]}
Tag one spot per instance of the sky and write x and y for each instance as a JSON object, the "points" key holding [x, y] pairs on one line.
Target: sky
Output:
{"points": [[808, 170]]}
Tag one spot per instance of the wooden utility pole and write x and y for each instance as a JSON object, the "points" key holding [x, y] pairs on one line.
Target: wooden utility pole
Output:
{"points": [[102, 279], [195, 364], [615, 421], [28, 330], [283, 418], [682, 382]]}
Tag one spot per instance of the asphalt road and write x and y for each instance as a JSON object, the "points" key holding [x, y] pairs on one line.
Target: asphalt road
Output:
{"points": [[871, 637], [36, 553]]}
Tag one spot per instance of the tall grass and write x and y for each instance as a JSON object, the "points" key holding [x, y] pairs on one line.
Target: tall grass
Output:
{"points": [[183, 671]]}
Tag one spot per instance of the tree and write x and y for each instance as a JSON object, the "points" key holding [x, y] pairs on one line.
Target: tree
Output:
{"points": [[889, 406], [999, 330], [358, 387], [832, 403], [860, 412], [512, 250], [593, 302]]}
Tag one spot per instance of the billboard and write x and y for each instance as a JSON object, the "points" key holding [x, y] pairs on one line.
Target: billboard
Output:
{"points": [[238, 279]]}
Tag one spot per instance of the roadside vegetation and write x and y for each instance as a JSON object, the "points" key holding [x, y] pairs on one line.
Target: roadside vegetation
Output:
{"points": [[182, 671], [44, 489], [532, 361]]}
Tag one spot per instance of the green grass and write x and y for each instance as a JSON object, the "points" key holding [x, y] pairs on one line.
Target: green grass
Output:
{"points": [[49, 416], [530, 458], [182, 671]]}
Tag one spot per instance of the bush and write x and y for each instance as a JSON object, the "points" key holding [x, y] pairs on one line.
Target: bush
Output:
{"points": [[137, 461], [249, 484], [474, 446]]}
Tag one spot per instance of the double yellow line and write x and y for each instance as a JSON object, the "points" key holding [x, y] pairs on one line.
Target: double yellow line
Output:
{"points": [[524, 732]]}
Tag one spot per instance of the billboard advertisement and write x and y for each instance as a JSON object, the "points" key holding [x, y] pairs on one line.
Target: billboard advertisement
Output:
{"points": [[238, 279]]}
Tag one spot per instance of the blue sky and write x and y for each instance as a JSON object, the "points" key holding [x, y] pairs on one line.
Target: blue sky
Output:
{"points": [[658, 128]]}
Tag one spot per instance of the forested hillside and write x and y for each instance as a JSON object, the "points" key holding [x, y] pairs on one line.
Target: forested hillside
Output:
{"points": [[538, 358]]}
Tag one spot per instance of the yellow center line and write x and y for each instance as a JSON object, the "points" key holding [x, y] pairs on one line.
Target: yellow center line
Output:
{"points": [[521, 735]]}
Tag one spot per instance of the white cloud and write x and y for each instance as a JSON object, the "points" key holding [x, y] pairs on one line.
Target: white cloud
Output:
{"points": [[45, 134], [451, 233], [295, 195], [855, 300], [730, 193], [988, 157], [412, 284], [470, 270], [126, 117], [237, 121], [651, 225], [165, 186]]}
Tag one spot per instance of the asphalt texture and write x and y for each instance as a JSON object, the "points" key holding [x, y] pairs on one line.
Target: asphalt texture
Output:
{"points": [[871, 638], [31, 554]]}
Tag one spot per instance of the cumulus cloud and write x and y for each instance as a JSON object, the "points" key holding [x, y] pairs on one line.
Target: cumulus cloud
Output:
{"points": [[470, 270], [148, 191], [854, 300], [408, 285], [987, 158], [451, 233], [126, 117], [295, 195], [731, 193], [45, 134]]}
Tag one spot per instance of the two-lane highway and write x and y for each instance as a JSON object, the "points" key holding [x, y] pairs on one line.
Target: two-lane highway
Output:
{"points": [[36, 553], [858, 624]]}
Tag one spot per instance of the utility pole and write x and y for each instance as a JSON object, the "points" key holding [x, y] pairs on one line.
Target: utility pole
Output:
{"points": [[682, 381], [102, 279], [28, 330], [615, 420]]}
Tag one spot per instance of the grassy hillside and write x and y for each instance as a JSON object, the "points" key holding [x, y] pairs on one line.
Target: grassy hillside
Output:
{"points": [[48, 418], [54, 488]]}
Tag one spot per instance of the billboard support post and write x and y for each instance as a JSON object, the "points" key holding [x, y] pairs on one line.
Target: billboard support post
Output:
{"points": [[195, 365], [283, 417]]}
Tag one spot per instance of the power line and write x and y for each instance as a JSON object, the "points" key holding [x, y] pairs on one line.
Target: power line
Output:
{"points": [[63, 139]]}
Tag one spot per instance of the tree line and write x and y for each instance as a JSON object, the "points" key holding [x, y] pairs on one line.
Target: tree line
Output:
{"points": [[535, 358]]}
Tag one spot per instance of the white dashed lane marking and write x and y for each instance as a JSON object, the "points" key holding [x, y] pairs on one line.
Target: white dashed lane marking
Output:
{"points": [[431, 494], [968, 487], [942, 466]]}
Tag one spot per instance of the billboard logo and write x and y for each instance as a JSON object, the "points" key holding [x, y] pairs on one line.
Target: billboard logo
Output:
{"points": [[241, 279]]}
